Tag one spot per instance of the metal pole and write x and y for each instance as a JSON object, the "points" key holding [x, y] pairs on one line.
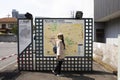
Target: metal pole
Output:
{"points": [[119, 57]]}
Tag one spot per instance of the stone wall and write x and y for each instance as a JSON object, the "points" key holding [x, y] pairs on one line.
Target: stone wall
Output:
{"points": [[106, 53], [8, 38]]}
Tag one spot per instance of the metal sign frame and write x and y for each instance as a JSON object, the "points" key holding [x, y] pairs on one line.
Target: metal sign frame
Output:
{"points": [[39, 62], [25, 58], [71, 63]]}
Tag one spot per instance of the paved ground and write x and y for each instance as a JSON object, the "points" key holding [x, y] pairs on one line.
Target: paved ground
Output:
{"points": [[99, 73], [11, 72], [8, 53], [7, 48]]}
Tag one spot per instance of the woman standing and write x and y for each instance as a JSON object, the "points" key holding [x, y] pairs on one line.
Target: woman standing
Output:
{"points": [[60, 54]]}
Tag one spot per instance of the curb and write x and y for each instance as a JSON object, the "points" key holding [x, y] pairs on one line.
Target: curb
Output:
{"points": [[106, 66]]}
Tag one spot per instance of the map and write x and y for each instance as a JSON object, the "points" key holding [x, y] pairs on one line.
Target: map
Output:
{"points": [[73, 31]]}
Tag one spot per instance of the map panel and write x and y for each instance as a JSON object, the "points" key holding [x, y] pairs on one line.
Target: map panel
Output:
{"points": [[73, 31]]}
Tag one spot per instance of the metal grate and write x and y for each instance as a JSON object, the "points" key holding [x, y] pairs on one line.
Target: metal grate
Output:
{"points": [[71, 63], [25, 58]]}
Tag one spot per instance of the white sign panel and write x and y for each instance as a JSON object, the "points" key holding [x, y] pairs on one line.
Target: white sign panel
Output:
{"points": [[24, 34]]}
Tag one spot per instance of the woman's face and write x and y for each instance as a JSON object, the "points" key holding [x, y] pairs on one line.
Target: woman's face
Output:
{"points": [[60, 37]]}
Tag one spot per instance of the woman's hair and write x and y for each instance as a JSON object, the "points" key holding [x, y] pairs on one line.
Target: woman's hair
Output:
{"points": [[62, 40]]}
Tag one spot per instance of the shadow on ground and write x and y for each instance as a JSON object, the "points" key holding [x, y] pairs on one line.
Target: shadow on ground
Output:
{"points": [[13, 75], [78, 77], [101, 73], [9, 75], [82, 75]]}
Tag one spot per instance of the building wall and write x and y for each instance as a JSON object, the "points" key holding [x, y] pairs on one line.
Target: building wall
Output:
{"points": [[7, 25], [104, 8], [97, 25], [106, 53], [107, 12], [112, 29], [0, 25], [15, 13], [8, 38]]}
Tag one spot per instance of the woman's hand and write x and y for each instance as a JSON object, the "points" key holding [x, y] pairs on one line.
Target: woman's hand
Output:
{"points": [[58, 57]]}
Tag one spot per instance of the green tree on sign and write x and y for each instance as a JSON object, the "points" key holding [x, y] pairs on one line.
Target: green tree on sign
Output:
{"points": [[69, 42], [54, 27]]}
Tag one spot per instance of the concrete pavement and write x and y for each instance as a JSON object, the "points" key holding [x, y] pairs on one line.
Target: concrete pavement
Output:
{"points": [[8, 53], [99, 73]]}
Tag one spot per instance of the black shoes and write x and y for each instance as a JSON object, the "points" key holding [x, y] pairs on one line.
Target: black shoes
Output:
{"points": [[59, 75], [54, 72]]}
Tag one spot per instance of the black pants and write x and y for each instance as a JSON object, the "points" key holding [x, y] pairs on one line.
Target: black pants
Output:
{"points": [[58, 67]]}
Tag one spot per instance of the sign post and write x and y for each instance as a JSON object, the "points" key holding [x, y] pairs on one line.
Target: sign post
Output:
{"points": [[119, 57]]}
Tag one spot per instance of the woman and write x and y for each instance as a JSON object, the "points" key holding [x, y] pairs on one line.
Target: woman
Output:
{"points": [[60, 54]]}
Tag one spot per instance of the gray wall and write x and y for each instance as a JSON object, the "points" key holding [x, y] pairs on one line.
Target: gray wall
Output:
{"points": [[8, 38], [104, 8], [112, 29], [100, 25], [108, 12]]}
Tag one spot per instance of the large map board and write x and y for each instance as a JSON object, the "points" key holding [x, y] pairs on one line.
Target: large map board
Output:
{"points": [[73, 31]]}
